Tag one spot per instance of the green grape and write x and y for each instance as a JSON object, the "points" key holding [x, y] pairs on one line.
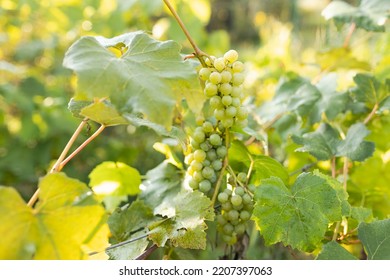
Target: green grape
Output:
{"points": [[231, 111], [233, 215], [244, 215], [206, 162], [221, 220], [236, 200], [238, 207], [228, 192], [235, 222], [205, 146], [205, 186], [215, 78], [228, 229], [219, 64], [252, 187], [241, 177], [229, 239], [226, 76], [198, 176], [225, 89], [236, 91], [212, 155], [223, 197], [204, 73], [199, 155], [240, 229], [207, 126], [215, 140], [194, 144], [207, 172], [246, 198], [199, 136], [214, 178], [239, 191], [243, 123], [215, 102], [226, 100], [196, 165], [190, 171], [189, 158], [236, 102], [221, 151], [199, 120], [227, 206], [210, 90], [217, 165], [238, 66], [242, 113], [231, 56], [219, 114], [193, 184], [227, 122], [210, 61], [238, 79]]}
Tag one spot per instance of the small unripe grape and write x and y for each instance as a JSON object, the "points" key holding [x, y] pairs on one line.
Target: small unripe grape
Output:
{"points": [[238, 207], [189, 158], [219, 64], [196, 165], [236, 91], [223, 197], [215, 102], [252, 187], [205, 146], [242, 113], [208, 172], [239, 229], [226, 76], [212, 155], [221, 151], [238, 66], [231, 56], [244, 215], [199, 136], [246, 198], [194, 144], [230, 111], [228, 239], [207, 126], [227, 206], [227, 122], [236, 102], [210, 90], [193, 184], [215, 139], [221, 220], [219, 114], [233, 215], [228, 228], [239, 191], [238, 79], [197, 176], [204, 73], [228, 192], [226, 100], [217, 165], [205, 186], [210, 61], [242, 124], [206, 162], [236, 200], [199, 155], [225, 89], [241, 177], [215, 78]]}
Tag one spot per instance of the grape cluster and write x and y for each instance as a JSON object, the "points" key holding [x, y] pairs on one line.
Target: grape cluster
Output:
{"points": [[223, 85], [236, 210]]}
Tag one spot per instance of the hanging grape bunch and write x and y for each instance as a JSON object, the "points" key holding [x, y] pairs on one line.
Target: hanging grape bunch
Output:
{"points": [[223, 86]]}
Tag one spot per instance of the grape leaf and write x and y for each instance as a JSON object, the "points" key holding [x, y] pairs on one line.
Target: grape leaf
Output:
{"points": [[185, 226], [334, 251], [144, 79], [384, 106], [263, 166], [362, 214], [340, 58], [130, 250], [63, 225], [375, 238], [298, 217], [371, 15], [325, 143], [103, 113], [112, 182], [369, 90]]}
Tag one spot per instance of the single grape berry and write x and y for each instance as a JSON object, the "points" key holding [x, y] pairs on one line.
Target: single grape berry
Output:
{"points": [[199, 155], [231, 56], [236, 200], [215, 139], [205, 186], [223, 197], [204, 73], [215, 78]]}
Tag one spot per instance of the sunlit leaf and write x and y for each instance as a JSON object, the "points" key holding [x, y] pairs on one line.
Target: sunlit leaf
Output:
{"points": [[334, 251], [375, 238]]}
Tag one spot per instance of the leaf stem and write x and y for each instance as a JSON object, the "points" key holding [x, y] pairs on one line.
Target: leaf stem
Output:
{"points": [[372, 114], [198, 52], [82, 146], [333, 167], [349, 35], [56, 167]]}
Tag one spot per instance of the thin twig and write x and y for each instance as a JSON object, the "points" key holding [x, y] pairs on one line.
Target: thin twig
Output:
{"points": [[198, 52], [349, 35], [333, 166], [147, 252], [82, 146], [345, 173], [372, 114]]}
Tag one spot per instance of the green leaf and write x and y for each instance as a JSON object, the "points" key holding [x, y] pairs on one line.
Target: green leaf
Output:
{"points": [[353, 146], [131, 250], [59, 227], [375, 238], [362, 214], [112, 182], [368, 90], [262, 166], [75, 106], [340, 58], [185, 226], [384, 106], [334, 251], [298, 217], [322, 143], [103, 113], [145, 78], [371, 15]]}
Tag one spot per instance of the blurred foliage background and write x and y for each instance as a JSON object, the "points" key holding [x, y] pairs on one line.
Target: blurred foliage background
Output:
{"points": [[275, 38]]}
